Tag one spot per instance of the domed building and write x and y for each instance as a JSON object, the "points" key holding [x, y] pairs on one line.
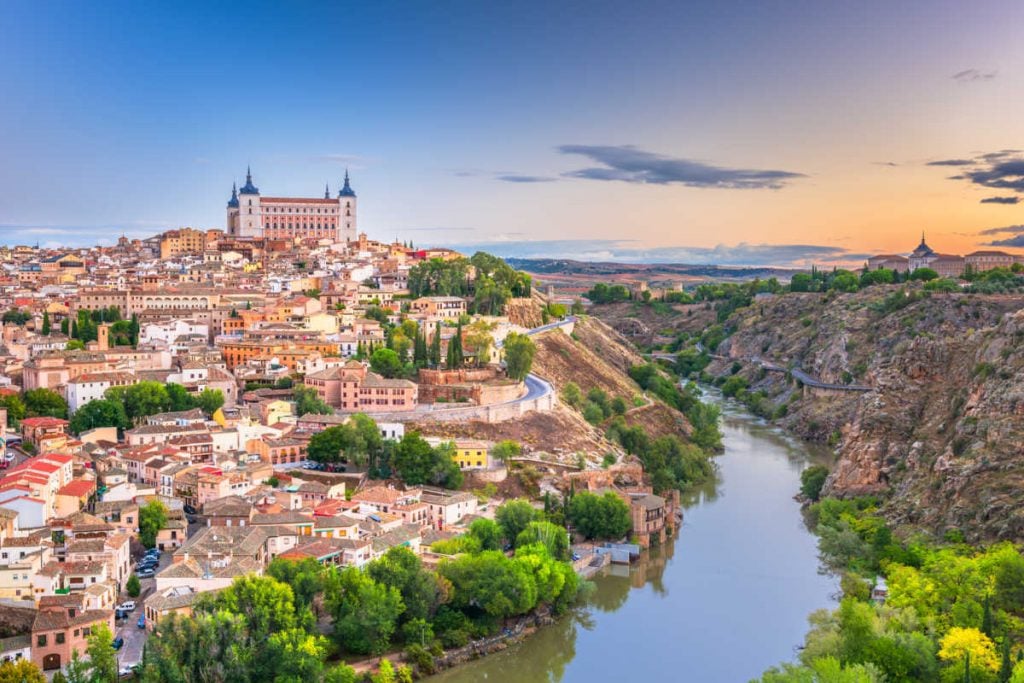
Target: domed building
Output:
{"points": [[250, 214]]}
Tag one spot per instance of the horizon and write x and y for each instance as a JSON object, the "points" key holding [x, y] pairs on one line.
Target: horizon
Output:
{"points": [[639, 134]]}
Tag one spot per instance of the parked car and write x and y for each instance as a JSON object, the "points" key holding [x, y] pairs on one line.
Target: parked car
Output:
{"points": [[9, 455], [189, 510], [126, 671], [120, 614], [141, 623], [118, 643], [127, 606], [147, 573]]}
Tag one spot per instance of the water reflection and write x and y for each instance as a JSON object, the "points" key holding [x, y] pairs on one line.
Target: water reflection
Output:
{"points": [[725, 600]]}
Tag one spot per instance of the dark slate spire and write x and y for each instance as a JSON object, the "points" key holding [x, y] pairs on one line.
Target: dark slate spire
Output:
{"points": [[233, 202], [327, 191], [347, 190], [249, 188]]}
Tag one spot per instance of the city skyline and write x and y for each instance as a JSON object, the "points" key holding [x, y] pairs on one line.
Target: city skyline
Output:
{"points": [[783, 134]]}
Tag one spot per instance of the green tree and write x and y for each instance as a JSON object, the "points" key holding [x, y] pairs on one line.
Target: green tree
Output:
{"points": [[304, 576], [46, 324], [455, 356], [487, 532], [435, 346], [605, 516], [924, 274], [295, 656], [416, 462], [307, 402], [519, 352], [179, 398], [152, 518], [513, 517], [21, 671], [552, 537], [812, 480], [387, 363], [506, 450], [266, 604], [15, 409], [210, 400], [141, 399], [422, 593], [99, 413], [491, 582], [102, 657], [133, 587], [45, 403], [572, 395], [365, 612]]}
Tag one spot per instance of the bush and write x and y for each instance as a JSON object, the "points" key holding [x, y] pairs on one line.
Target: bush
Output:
{"points": [[812, 480]]}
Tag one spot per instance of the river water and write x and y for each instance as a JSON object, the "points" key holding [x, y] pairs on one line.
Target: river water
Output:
{"points": [[723, 602]]}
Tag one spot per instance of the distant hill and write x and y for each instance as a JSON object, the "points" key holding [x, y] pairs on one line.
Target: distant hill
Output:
{"points": [[570, 267]]}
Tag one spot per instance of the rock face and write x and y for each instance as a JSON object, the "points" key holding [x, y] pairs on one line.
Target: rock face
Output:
{"points": [[941, 434]]}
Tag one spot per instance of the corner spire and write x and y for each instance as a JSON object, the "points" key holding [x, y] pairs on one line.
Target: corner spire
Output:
{"points": [[327, 191], [346, 190]]}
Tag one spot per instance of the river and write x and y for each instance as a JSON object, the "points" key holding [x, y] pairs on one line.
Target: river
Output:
{"points": [[723, 602]]}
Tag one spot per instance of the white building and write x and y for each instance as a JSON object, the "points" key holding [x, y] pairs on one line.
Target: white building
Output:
{"points": [[249, 214], [91, 386]]}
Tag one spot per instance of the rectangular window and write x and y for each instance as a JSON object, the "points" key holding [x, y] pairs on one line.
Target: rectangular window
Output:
{"points": [[41, 641]]}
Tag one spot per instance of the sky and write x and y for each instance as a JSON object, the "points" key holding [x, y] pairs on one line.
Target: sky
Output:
{"points": [[710, 132]]}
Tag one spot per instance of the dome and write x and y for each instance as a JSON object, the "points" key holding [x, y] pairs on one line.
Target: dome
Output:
{"points": [[233, 202], [347, 190], [249, 188]]}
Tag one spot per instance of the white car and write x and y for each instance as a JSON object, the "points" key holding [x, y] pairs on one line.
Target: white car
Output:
{"points": [[9, 455], [128, 606]]}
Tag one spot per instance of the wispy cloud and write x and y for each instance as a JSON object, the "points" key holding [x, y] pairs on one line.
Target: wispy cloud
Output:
{"points": [[629, 164], [1016, 229], [504, 176], [1015, 241], [516, 178], [626, 251], [1001, 200], [891, 164], [973, 75], [951, 162]]}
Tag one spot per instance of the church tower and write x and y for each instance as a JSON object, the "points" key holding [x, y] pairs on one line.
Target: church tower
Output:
{"points": [[232, 223], [250, 218], [347, 209]]}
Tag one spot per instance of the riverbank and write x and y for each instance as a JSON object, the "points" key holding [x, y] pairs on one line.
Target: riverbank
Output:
{"points": [[695, 608]]}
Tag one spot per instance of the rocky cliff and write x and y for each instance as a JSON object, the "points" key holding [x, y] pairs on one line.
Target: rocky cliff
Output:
{"points": [[941, 432]]}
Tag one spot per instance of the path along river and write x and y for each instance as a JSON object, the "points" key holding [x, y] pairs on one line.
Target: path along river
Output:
{"points": [[723, 602]]}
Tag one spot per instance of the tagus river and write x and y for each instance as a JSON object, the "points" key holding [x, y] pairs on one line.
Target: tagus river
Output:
{"points": [[723, 602]]}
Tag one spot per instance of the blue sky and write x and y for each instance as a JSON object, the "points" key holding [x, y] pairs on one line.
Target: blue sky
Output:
{"points": [[677, 125]]}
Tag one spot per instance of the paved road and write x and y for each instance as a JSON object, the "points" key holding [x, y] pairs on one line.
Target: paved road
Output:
{"points": [[569, 320]]}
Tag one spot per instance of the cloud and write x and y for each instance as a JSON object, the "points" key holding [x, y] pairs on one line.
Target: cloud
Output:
{"points": [[1000, 200], [1015, 241], [951, 162], [973, 75], [1003, 230], [885, 163], [515, 178], [629, 164], [1001, 170], [626, 251]]}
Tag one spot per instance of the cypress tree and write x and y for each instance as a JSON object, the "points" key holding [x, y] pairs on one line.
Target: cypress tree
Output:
{"points": [[435, 346], [134, 328], [46, 323], [1006, 666], [457, 340], [74, 330]]}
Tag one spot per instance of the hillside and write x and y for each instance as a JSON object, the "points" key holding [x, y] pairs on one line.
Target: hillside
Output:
{"points": [[598, 357], [941, 433]]}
